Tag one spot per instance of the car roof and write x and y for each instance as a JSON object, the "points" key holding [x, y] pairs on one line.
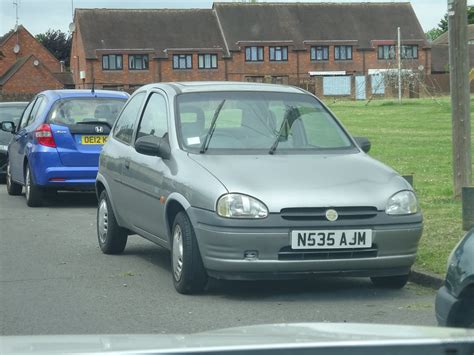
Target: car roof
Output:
{"points": [[14, 103], [71, 93], [212, 86]]}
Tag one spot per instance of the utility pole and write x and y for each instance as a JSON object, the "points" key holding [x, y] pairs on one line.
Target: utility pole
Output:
{"points": [[399, 56], [460, 95]]}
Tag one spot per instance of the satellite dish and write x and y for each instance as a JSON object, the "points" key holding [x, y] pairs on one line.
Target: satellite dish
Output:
{"points": [[16, 49], [72, 27], [421, 67], [36, 62]]}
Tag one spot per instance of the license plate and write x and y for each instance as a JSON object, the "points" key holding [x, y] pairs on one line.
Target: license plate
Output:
{"points": [[93, 139], [331, 239]]}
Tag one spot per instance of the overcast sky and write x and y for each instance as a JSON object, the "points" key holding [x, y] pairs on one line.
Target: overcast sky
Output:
{"points": [[40, 15]]}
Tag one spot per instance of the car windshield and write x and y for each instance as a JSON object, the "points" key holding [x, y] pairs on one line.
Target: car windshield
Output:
{"points": [[11, 113], [254, 121], [83, 110]]}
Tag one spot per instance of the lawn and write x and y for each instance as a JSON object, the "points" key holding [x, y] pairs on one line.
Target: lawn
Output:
{"points": [[415, 138]]}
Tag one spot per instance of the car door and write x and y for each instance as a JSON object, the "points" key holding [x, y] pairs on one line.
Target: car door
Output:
{"points": [[16, 149], [145, 174], [118, 152]]}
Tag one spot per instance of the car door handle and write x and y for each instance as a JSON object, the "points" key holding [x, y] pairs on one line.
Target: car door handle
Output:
{"points": [[127, 164]]}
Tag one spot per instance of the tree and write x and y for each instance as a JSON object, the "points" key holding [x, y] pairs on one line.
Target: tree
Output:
{"points": [[443, 24], [58, 43]]}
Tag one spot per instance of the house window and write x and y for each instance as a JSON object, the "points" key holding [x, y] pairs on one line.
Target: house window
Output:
{"points": [[138, 62], [254, 54], [182, 61], [386, 52], [278, 54], [112, 62], [343, 52], [409, 52], [320, 53], [207, 61]]}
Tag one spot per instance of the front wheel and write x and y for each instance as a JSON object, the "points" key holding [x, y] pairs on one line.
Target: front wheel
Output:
{"points": [[13, 188], [189, 275], [33, 193], [394, 282], [112, 238]]}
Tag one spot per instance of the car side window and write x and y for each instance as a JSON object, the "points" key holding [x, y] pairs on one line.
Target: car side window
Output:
{"points": [[37, 109], [26, 115], [123, 130], [155, 118]]}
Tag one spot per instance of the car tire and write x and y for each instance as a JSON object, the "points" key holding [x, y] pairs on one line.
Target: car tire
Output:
{"points": [[13, 188], [189, 275], [33, 193], [394, 282], [112, 238], [465, 314]]}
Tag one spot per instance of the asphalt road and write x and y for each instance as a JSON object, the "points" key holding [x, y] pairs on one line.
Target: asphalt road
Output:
{"points": [[55, 280]]}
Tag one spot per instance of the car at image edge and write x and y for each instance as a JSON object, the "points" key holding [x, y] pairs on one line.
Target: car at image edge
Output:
{"points": [[252, 181], [9, 111], [455, 300]]}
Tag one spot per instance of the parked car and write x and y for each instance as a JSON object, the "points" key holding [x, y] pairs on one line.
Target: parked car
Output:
{"points": [[57, 143], [252, 181], [455, 300], [9, 111]]}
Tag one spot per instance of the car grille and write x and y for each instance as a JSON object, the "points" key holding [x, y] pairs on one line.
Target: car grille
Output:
{"points": [[319, 213], [287, 253]]}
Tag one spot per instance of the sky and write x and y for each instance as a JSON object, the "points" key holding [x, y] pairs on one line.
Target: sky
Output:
{"points": [[40, 15]]}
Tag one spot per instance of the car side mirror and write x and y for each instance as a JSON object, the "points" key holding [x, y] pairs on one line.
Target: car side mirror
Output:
{"points": [[153, 146], [7, 126], [363, 143]]}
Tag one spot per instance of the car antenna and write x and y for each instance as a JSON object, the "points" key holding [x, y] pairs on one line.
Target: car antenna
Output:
{"points": [[93, 87]]}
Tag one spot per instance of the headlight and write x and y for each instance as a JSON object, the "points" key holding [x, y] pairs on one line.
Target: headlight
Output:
{"points": [[240, 206], [403, 202]]}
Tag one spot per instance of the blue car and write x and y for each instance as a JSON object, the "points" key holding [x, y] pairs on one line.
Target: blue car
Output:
{"points": [[57, 143]]}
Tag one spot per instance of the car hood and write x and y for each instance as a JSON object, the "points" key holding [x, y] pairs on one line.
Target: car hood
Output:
{"points": [[272, 336], [285, 181]]}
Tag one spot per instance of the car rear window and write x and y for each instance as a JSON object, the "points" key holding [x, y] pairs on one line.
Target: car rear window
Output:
{"points": [[83, 110]]}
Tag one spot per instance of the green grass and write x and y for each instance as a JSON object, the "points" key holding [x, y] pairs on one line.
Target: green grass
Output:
{"points": [[415, 138]]}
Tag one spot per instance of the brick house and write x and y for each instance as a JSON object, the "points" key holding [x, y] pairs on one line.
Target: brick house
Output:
{"points": [[27, 67], [440, 51], [279, 42]]}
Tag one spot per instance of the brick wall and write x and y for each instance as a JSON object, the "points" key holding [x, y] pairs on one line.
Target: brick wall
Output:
{"points": [[31, 79], [28, 45]]}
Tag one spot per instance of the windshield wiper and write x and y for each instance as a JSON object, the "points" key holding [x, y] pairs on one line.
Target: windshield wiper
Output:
{"points": [[207, 139], [284, 123], [95, 122]]}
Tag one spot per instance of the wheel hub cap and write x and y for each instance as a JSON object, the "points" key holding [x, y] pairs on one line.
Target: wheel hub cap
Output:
{"points": [[177, 253], [103, 221]]}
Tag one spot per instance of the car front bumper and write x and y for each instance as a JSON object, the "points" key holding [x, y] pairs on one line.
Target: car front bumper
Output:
{"points": [[224, 243], [445, 306]]}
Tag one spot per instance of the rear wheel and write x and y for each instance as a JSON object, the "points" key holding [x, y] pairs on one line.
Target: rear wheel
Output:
{"points": [[13, 188], [394, 282], [112, 238], [189, 275], [465, 316], [33, 193]]}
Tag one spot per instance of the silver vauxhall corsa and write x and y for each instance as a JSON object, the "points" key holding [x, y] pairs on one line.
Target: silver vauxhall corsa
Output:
{"points": [[252, 181]]}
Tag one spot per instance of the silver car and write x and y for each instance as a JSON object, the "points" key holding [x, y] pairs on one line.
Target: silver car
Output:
{"points": [[252, 181]]}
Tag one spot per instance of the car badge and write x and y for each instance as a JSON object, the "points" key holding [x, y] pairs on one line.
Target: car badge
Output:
{"points": [[99, 129], [331, 215]]}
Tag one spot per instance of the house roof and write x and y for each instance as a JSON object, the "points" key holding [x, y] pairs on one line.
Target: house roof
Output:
{"points": [[65, 78], [299, 22], [14, 68], [444, 38], [154, 30]]}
